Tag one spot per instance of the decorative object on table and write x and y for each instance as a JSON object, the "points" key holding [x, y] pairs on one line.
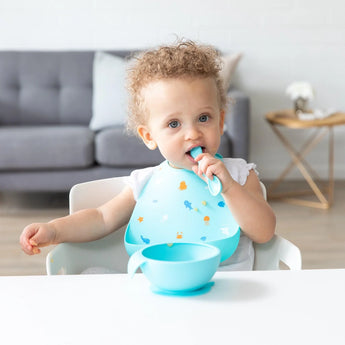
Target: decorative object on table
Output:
{"points": [[300, 92], [317, 114], [176, 268]]}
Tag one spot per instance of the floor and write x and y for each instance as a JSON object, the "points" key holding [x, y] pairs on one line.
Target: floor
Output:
{"points": [[320, 234]]}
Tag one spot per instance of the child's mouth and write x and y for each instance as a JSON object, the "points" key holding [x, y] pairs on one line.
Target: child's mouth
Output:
{"points": [[188, 153]]}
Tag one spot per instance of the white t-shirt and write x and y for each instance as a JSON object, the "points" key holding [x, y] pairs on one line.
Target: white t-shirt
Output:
{"points": [[243, 258]]}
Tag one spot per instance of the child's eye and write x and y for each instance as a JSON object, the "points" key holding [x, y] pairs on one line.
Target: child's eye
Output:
{"points": [[174, 124], [203, 118]]}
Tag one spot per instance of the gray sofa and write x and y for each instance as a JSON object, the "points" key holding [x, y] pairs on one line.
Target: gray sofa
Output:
{"points": [[45, 140]]}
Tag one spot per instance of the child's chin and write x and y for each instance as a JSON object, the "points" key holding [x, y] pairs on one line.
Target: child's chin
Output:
{"points": [[187, 166]]}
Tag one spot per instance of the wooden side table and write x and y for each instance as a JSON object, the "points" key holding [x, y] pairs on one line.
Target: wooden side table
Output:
{"points": [[287, 118]]}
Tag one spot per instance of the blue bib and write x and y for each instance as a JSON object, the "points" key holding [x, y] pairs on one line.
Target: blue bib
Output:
{"points": [[176, 206]]}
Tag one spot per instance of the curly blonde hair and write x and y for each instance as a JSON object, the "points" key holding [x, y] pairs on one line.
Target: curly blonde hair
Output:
{"points": [[181, 60]]}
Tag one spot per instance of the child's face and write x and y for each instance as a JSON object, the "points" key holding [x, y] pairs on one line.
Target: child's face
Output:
{"points": [[182, 114]]}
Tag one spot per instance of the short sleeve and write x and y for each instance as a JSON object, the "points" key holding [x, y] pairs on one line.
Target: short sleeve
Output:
{"points": [[239, 169], [138, 179]]}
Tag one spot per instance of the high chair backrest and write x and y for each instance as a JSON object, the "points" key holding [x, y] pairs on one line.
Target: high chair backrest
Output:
{"points": [[109, 252]]}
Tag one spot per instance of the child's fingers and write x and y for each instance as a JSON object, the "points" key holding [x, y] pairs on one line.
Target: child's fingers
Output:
{"points": [[195, 169], [33, 242], [209, 174], [39, 237], [211, 166], [198, 171], [206, 166], [24, 242], [28, 249], [40, 240], [36, 250], [28, 239], [31, 250]]}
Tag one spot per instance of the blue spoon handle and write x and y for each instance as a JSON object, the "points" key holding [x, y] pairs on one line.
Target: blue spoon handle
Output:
{"points": [[214, 186]]}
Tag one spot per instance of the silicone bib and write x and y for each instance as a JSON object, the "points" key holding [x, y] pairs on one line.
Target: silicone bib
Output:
{"points": [[176, 206]]}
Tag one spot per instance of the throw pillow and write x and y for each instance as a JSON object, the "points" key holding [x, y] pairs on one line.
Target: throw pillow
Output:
{"points": [[109, 107], [229, 65]]}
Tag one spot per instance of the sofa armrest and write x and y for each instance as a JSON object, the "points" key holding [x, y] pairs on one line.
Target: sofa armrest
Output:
{"points": [[237, 122]]}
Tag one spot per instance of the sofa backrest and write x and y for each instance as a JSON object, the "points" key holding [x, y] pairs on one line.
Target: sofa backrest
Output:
{"points": [[46, 88]]}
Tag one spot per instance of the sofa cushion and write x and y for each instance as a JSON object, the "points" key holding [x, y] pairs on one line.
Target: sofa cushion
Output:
{"points": [[226, 146], [229, 65], [45, 88], [114, 148], [46, 147], [109, 105]]}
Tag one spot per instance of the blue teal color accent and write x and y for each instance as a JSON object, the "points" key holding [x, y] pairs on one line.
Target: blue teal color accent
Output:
{"points": [[170, 220], [145, 240], [215, 186], [221, 204], [178, 268], [188, 204]]}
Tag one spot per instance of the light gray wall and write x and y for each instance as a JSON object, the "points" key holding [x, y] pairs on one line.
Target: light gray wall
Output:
{"points": [[281, 40]]}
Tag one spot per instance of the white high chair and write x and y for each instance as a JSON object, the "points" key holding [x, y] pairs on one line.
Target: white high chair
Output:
{"points": [[109, 252]]}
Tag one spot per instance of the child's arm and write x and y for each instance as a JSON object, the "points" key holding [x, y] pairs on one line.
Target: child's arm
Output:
{"points": [[83, 226], [246, 203]]}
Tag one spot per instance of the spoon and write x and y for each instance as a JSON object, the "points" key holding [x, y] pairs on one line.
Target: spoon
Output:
{"points": [[214, 186]]}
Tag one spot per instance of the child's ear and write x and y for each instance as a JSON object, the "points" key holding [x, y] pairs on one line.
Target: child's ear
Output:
{"points": [[146, 137], [221, 121]]}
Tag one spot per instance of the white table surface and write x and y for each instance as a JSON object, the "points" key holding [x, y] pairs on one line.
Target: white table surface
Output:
{"points": [[268, 307]]}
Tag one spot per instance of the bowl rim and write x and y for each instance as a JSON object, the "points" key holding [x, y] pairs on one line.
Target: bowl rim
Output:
{"points": [[216, 250]]}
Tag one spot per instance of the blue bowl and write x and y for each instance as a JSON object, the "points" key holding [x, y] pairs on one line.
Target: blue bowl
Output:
{"points": [[180, 267]]}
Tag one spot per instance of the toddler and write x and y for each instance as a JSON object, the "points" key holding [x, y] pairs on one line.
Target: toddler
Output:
{"points": [[177, 102]]}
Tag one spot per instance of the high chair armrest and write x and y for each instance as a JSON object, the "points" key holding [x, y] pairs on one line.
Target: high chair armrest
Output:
{"points": [[73, 258]]}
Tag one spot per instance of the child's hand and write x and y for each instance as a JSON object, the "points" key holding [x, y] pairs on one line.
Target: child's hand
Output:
{"points": [[209, 166], [36, 235]]}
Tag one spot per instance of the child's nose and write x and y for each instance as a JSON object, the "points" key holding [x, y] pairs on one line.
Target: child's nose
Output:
{"points": [[192, 133]]}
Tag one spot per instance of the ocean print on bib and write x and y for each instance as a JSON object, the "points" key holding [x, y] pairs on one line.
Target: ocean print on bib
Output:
{"points": [[176, 206]]}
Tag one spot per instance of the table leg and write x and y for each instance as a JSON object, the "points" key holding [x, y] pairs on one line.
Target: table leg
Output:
{"points": [[297, 160], [331, 166], [307, 147]]}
